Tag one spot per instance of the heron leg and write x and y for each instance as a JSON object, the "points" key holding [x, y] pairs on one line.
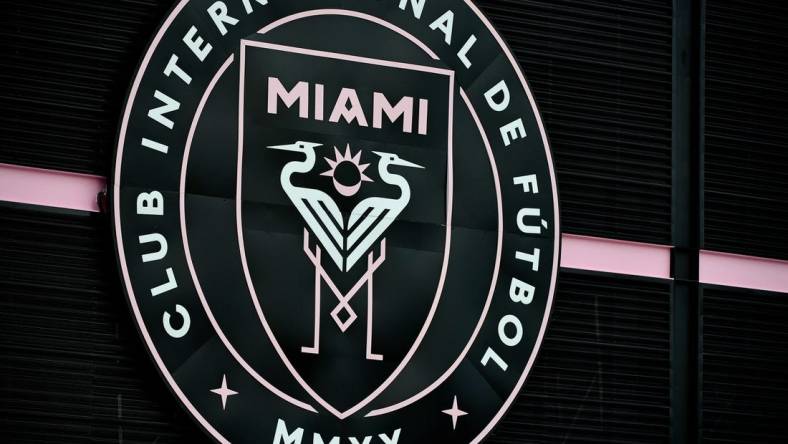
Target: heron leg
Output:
{"points": [[315, 257], [372, 265]]}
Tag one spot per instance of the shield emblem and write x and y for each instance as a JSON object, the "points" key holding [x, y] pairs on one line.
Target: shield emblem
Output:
{"points": [[344, 205]]}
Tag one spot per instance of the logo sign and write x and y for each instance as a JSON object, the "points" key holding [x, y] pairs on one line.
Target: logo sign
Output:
{"points": [[336, 222]]}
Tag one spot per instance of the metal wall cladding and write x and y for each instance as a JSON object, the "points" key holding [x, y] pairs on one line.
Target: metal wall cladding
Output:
{"points": [[65, 67], [72, 368], [746, 127], [601, 72], [603, 375], [744, 363]]}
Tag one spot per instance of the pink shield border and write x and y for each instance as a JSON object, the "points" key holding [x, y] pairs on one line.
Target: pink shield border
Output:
{"points": [[239, 215]]}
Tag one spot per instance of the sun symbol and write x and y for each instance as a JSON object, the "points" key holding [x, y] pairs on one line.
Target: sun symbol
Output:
{"points": [[347, 171]]}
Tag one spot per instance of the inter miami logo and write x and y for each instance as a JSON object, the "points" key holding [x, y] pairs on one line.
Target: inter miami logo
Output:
{"points": [[336, 222]]}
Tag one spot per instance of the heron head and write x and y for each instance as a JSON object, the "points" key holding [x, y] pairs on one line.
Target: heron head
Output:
{"points": [[298, 147], [393, 159]]}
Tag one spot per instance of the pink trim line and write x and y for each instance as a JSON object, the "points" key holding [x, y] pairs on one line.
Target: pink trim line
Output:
{"points": [[119, 229], [347, 57], [735, 270], [348, 13], [74, 191], [50, 188], [59, 189], [615, 256], [184, 235], [557, 223], [496, 179]]}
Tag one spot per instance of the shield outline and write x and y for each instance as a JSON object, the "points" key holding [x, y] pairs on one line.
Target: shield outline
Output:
{"points": [[245, 43]]}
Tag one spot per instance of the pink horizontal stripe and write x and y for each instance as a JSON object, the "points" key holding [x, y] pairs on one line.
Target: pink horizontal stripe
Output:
{"points": [[615, 256], [36, 186], [734, 270], [58, 189]]}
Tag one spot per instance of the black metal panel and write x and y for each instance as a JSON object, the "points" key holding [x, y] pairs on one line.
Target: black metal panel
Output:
{"points": [[65, 67], [746, 127], [603, 375], [602, 75], [72, 368], [745, 366]]}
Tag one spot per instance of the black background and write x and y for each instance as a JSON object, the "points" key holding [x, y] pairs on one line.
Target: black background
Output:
{"points": [[72, 368]]}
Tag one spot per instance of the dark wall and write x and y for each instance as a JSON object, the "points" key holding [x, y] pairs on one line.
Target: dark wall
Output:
{"points": [[72, 368], [746, 127], [744, 344]]}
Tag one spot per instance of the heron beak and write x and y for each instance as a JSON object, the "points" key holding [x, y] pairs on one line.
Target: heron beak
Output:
{"points": [[291, 147], [405, 163]]}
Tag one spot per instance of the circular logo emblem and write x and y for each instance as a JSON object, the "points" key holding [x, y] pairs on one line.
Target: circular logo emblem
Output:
{"points": [[336, 222]]}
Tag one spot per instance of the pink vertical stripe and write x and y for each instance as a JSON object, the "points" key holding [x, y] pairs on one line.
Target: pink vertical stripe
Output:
{"points": [[736, 270], [615, 256], [50, 188]]}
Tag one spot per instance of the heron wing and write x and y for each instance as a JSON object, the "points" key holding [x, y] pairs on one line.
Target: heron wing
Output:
{"points": [[362, 217], [328, 213], [324, 219], [360, 210], [374, 216]]}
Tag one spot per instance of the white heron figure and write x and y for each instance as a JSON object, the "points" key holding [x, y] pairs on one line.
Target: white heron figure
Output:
{"points": [[315, 206], [368, 221]]}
